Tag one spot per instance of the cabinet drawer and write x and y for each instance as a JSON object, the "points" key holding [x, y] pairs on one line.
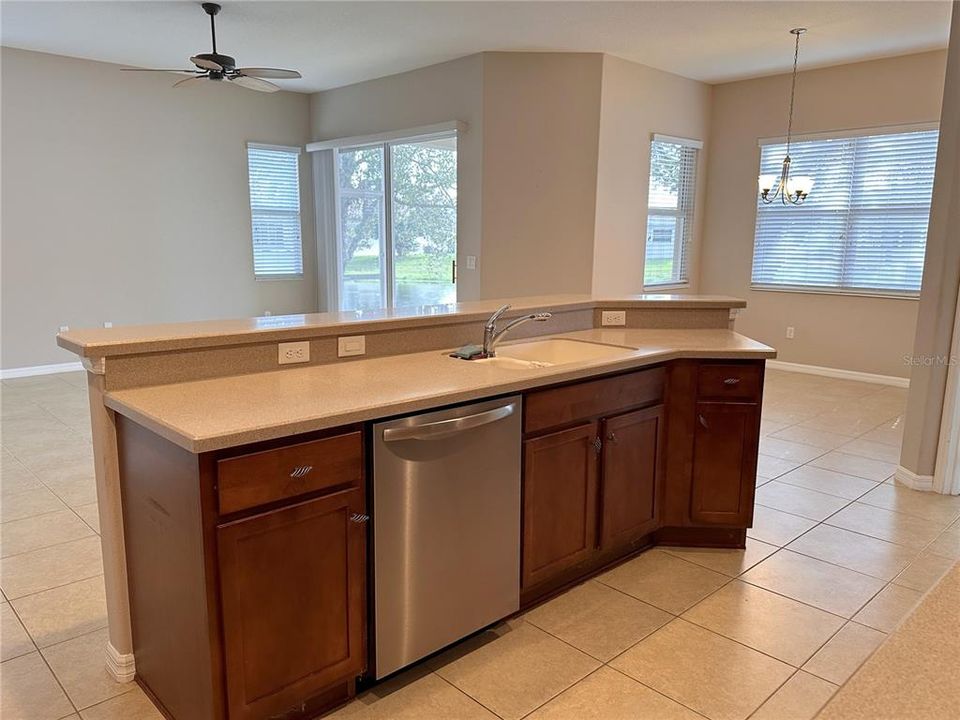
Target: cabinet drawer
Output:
{"points": [[560, 406], [263, 477], [742, 382]]}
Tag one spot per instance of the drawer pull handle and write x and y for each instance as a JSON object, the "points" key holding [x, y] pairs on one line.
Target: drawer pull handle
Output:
{"points": [[732, 381], [301, 470], [359, 518], [597, 444], [703, 422]]}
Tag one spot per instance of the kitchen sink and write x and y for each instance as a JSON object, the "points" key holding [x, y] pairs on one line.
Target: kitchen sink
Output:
{"points": [[556, 351]]}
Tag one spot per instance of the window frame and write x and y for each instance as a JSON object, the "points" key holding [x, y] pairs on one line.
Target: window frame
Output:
{"points": [[679, 215], [292, 150], [851, 213]]}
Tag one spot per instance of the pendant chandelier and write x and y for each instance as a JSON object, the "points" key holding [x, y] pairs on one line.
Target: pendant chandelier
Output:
{"points": [[790, 190]]}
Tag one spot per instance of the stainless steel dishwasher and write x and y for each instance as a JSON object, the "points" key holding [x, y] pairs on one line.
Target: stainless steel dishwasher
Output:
{"points": [[446, 527]]}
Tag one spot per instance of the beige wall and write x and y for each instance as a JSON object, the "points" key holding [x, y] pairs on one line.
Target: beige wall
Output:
{"points": [[439, 93], [854, 333], [637, 102], [125, 200]]}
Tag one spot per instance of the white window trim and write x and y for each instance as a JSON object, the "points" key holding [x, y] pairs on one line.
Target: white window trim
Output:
{"points": [[850, 132], [414, 134], [293, 150]]}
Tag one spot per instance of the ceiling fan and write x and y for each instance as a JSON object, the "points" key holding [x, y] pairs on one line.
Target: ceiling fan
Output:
{"points": [[217, 67]]}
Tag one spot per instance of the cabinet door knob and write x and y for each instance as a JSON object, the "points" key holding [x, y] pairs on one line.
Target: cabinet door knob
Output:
{"points": [[703, 421], [732, 381], [300, 471], [359, 518], [612, 437]]}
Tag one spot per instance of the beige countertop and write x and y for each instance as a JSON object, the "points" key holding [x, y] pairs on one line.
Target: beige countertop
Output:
{"points": [[132, 339], [205, 415]]}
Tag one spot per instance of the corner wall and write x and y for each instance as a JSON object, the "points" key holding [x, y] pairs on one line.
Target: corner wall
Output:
{"points": [[865, 334]]}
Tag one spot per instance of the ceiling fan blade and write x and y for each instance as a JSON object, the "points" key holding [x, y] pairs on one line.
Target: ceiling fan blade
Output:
{"points": [[206, 64], [252, 83], [187, 81], [189, 72], [261, 72]]}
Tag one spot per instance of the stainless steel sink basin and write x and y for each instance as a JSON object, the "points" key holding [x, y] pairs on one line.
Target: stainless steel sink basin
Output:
{"points": [[554, 351]]}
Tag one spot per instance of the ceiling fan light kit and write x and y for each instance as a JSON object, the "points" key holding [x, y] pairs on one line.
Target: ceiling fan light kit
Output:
{"points": [[219, 68]]}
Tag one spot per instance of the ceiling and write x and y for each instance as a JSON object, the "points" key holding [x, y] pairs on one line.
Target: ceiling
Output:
{"points": [[339, 43]]}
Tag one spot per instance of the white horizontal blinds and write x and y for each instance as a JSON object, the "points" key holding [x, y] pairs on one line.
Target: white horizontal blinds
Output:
{"points": [[864, 226], [670, 208], [275, 211]]}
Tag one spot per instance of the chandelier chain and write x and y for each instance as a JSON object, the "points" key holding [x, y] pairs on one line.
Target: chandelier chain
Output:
{"points": [[793, 85]]}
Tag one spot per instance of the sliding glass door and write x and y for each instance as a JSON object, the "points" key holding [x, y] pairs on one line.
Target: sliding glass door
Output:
{"points": [[397, 223]]}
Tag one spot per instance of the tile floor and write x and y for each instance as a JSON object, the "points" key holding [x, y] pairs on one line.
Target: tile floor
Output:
{"points": [[837, 556]]}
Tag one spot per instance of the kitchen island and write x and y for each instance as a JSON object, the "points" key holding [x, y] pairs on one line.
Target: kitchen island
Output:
{"points": [[242, 479]]}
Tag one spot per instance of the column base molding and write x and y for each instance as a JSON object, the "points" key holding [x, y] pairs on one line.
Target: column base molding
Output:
{"points": [[120, 665], [913, 481]]}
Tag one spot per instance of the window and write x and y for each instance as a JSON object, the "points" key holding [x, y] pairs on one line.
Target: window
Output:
{"points": [[397, 223], [275, 211], [670, 205], [863, 229]]}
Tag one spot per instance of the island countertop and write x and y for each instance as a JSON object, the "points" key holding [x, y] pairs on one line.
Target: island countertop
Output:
{"points": [[212, 414]]}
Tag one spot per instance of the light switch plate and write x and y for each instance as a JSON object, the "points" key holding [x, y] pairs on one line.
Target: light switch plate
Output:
{"points": [[613, 317], [293, 352], [471, 262], [351, 345]]}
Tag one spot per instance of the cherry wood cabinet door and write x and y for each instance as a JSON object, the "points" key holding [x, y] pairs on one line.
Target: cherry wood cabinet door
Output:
{"points": [[292, 585], [726, 440], [630, 476], [559, 502]]}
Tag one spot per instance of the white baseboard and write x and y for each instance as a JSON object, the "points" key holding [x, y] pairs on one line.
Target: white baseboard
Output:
{"points": [[120, 665], [912, 480], [20, 372], [891, 380]]}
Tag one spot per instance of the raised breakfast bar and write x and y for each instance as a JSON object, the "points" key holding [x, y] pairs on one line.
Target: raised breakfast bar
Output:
{"points": [[253, 483]]}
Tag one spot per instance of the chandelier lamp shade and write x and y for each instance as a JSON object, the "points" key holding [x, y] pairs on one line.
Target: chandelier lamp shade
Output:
{"points": [[791, 190]]}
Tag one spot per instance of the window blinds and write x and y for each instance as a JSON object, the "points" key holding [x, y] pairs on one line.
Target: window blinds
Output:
{"points": [[863, 229], [670, 206], [275, 211]]}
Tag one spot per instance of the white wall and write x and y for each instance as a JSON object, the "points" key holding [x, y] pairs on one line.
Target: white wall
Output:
{"points": [[865, 334], [126, 200]]}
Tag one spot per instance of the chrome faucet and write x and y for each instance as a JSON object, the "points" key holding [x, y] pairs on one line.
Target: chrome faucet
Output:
{"points": [[491, 336]]}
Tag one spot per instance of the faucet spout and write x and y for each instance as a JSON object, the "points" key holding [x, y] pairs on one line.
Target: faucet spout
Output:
{"points": [[491, 336]]}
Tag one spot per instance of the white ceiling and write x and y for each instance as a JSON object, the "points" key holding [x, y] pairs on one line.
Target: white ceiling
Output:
{"points": [[338, 43]]}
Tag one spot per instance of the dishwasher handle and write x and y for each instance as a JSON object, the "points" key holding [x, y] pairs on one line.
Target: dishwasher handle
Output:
{"points": [[444, 428]]}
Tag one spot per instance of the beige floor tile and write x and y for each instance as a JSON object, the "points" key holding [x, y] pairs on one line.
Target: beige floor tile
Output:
{"points": [[947, 544], [888, 608], [776, 527], [611, 695], [708, 673], [786, 450], [14, 640], [872, 449], [888, 433], [51, 567], [844, 653], [78, 665], [894, 527], [862, 553], [75, 491], [814, 582], [90, 515], [771, 467], [942, 509], [729, 561], [799, 501], [665, 581], [855, 465], [800, 698], [133, 705], [518, 672], [65, 612], [812, 436], [29, 504], [786, 629], [924, 572], [15, 478], [828, 481], [597, 619], [28, 691], [40, 531], [846, 420], [769, 427]]}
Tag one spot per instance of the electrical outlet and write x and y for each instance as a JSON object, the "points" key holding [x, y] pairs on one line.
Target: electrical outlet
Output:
{"points": [[64, 328], [790, 332], [471, 262], [613, 317], [351, 345], [107, 324], [293, 352]]}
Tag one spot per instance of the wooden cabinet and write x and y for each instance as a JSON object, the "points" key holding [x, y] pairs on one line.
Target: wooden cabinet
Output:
{"points": [[725, 443], [630, 476], [559, 501], [292, 593]]}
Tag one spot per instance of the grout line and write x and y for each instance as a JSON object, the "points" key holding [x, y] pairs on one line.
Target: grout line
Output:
{"points": [[52, 587]]}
